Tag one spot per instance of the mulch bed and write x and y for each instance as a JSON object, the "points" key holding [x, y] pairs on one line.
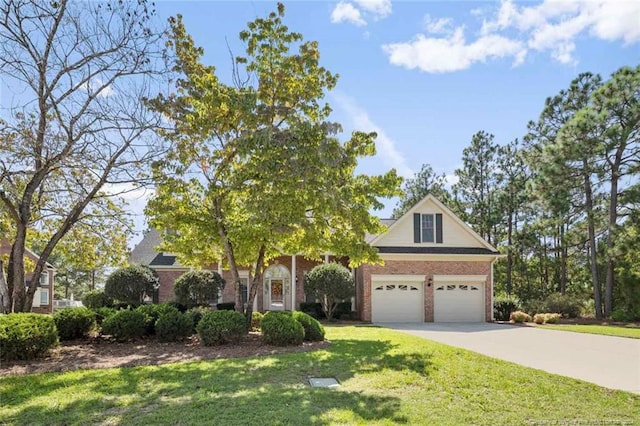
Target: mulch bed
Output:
{"points": [[99, 352]]}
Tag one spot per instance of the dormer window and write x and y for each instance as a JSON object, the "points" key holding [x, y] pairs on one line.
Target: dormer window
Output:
{"points": [[427, 228]]}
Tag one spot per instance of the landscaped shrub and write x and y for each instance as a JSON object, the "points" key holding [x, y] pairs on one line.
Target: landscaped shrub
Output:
{"points": [[330, 282], [568, 306], [178, 306], [256, 321], [312, 308], [26, 335], [152, 312], [226, 306], [125, 325], [519, 316], [313, 330], [533, 306], [73, 323], [343, 311], [539, 318], [195, 314], [132, 284], [95, 299], [503, 305], [551, 318], [219, 327], [279, 328], [198, 288], [173, 326], [103, 313]]}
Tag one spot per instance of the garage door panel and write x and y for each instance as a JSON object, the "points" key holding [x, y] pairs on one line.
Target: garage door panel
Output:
{"points": [[459, 302], [397, 301]]}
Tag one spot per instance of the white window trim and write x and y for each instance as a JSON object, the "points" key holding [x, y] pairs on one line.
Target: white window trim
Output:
{"points": [[44, 291], [459, 278], [433, 227], [46, 279]]}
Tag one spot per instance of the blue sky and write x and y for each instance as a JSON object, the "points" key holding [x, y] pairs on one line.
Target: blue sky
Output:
{"points": [[427, 75]]}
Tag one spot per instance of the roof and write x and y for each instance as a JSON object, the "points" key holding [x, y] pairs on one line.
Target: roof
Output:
{"points": [[144, 252], [5, 246], [386, 222], [163, 260]]}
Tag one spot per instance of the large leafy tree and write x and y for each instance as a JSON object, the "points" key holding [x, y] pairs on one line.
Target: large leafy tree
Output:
{"points": [[426, 181], [78, 133], [256, 168]]}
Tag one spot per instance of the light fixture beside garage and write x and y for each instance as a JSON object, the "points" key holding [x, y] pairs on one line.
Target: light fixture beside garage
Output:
{"points": [[429, 282]]}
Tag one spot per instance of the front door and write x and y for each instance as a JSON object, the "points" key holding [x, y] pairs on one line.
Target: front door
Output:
{"points": [[277, 294]]}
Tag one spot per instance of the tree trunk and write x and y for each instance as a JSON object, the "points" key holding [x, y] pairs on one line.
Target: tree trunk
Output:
{"points": [[255, 283], [16, 274], [611, 228], [592, 239], [563, 261], [509, 252], [5, 304]]}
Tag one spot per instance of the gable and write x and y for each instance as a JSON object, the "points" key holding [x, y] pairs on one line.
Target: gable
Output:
{"points": [[454, 232]]}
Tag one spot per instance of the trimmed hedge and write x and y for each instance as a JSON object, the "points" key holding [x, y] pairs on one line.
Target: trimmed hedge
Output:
{"points": [[313, 330], [312, 308], [281, 329], [103, 313], [179, 306], [73, 323], [152, 313], [519, 316], [226, 306], [26, 335], [125, 325], [195, 315], [173, 326], [198, 288], [219, 327], [256, 321], [95, 299]]}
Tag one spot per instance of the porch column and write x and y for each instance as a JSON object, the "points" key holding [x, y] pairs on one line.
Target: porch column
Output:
{"points": [[293, 282], [326, 258]]}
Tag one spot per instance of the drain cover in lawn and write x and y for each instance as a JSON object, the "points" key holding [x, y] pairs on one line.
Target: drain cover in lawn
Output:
{"points": [[329, 382]]}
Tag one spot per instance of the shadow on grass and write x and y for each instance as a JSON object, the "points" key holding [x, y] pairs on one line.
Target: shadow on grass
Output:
{"points": [[271, 389]]}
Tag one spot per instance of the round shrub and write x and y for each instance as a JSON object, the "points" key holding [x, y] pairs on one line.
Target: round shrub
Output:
{"points": [[551, 318], [313, 330], [26, 335], [73, 323], [219, 327], [195, 314], [95, 299], [132, 284], [330, 283], [280, 329], [568, 306], [538, 318], [256, 321], [152, 313], [173, 326], [125, 325], [519, 316], [103, 313], [198, 288], [503, 305]]}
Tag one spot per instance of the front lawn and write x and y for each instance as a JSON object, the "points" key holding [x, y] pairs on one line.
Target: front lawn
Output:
{"points": [[608, 330], [387, 378]]}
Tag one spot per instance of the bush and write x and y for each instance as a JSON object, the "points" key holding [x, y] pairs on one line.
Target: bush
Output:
{"points": [[343, 310], [313, 330], [256, 321], [219, 327], [534, 306], [568, 306], [125, 325], [195, 315], [103, 313], [330, 282], [519, 316], [539, 318], [73, 323], [95, 299], [26, 335], [626, 314], [152, 313], [551, 318], [198, 288], [226, 306], [173, 326], [503, 305], [312, 308], [178, 306], [132, 284], [279, 328]]}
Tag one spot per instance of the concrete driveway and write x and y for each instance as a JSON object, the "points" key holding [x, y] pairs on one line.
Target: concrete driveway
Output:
{"points": [[612, 362]]}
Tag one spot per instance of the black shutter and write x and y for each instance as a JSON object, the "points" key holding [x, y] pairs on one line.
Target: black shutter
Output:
{"points": [[438, 228], [416, 227]]}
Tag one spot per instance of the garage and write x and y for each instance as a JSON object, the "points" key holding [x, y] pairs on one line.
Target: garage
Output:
{"points": [[397, 298], [458, 301]]}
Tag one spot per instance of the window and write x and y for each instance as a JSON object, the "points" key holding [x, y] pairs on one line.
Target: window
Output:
{"points": [[391, 287], [427, 228], [44, 296], [244, 286], [463, 287], [440, 288], [44, 279], [451, 287]]}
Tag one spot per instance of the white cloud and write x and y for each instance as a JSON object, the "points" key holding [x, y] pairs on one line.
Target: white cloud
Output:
{"points": [[96, 84], [378, 8], [453, 53], [386, 148], [514, 29], [346, 12]]}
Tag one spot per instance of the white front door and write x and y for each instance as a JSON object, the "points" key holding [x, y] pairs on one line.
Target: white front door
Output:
{"points": [[276, 292]]}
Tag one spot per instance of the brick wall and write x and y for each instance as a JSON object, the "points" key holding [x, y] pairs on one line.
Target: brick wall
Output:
{"points": [[167, 278], [426, 268]]}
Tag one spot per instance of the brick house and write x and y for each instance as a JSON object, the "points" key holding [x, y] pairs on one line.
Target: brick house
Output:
{"points": [[43, 297], [436, 268]]}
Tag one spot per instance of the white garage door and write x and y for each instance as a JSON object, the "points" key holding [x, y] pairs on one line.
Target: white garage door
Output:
{"points": [[458, 302], [399, 299]]}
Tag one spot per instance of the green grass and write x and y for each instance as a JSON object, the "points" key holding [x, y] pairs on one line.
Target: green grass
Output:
{"points": [[387, 378], [608, 330]]}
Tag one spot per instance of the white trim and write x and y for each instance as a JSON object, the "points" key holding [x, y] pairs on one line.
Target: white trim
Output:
{"points": [[439, 257], [491, 284], [326, 258], [459, 278], [168, 268], [44, 291], [433, 228], [294, 278], [445, 210], [397, 277]]}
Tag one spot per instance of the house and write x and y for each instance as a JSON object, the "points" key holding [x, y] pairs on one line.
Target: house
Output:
{"points": [[436, 268], [43, 297]]}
